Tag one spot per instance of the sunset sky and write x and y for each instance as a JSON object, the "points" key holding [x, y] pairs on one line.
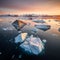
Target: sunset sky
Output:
{"points": [[49, 7]]}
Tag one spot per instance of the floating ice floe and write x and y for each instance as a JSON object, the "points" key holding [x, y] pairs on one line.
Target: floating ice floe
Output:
{"points": [[44, 41], [19, 31], [13, 56], [43, 27], [39, 21], [7, 28], [0, 53], [4, 29], [31, 44], [18, 24], [20, 56]]}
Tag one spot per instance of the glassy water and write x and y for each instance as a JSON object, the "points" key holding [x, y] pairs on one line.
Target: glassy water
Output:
{"points": [[52, 36]]}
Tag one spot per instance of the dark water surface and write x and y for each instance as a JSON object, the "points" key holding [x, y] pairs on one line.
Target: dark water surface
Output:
{"points": [[8, 49]]}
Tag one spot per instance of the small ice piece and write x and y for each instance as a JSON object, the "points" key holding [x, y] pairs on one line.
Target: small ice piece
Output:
{"points": [[4, 29], [7, 28], [18, 39], [44, 41], [13, 56], [19, 31], [0, 53], [20, 56], [11, 40]]}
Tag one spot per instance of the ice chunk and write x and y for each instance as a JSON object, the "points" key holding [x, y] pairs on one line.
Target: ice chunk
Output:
{"points": [[19, 31], [39, 21], [20, 56], [44, 40], [4, 29], [18, 24], [13, 56], [43, 27], [21, 37], [0, 53], [7, 28], [18, 39], [33, 45]]}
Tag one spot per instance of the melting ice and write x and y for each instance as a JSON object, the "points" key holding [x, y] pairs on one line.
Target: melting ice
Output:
{"points": [[33, 45]]}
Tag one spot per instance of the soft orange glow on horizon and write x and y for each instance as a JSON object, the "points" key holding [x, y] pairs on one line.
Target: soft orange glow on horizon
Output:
{"points": [[42, 9]]}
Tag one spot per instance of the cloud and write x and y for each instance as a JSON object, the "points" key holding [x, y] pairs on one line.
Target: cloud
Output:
{"points": [[24, 3], [51, 6]]}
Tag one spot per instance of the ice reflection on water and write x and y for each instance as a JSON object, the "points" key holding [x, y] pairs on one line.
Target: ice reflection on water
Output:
{"points": [[52, 35]]}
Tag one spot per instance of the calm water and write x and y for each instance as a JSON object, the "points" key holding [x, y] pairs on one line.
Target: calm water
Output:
{"points": [[52, 36]]}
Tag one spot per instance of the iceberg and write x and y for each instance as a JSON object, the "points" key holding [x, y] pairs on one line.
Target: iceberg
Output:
{"points": [[43, 27], [31, 44], [18, 24], [4, 29], [39, 21]]}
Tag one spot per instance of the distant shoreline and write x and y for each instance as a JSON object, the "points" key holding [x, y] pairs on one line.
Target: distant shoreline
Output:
{"points": [[34, 16]]}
